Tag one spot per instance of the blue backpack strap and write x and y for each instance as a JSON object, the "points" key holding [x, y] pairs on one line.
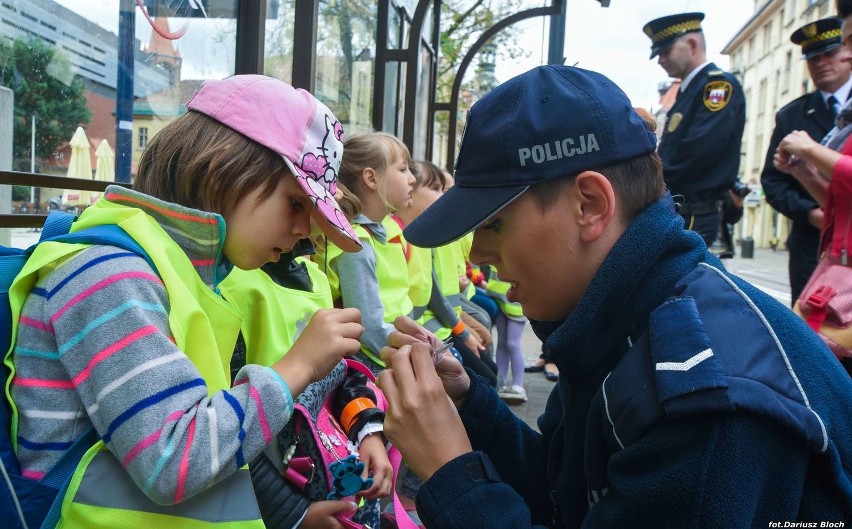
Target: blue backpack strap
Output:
{"points": [[106, 235], [59, 476], [57, 223]]}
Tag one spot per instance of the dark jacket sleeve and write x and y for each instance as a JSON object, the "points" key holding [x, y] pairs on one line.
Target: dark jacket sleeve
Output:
{"points": [[505, 475], [783, 192]]}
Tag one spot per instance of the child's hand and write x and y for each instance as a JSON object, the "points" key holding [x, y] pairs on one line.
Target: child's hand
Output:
{"points": [[472, 342], [329, 336], [453, 376], [320, 514], [375, 458]]}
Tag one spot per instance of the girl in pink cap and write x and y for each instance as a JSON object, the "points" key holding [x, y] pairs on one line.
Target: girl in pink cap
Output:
{"points": [[138, 355]]}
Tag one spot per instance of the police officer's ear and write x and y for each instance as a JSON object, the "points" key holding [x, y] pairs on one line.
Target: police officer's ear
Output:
{"points": [[595, 205]]}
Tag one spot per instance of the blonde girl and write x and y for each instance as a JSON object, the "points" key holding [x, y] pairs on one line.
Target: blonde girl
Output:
{"points": [[376, 181]]}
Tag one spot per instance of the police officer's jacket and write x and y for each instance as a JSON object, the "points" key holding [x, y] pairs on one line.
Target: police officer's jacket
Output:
{"points": [[700, 146], [686, 399], [783, 192]]}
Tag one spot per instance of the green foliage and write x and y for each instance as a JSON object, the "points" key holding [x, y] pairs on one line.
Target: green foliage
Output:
{"points": [[44, 85], [21, 193], [463, 22]]}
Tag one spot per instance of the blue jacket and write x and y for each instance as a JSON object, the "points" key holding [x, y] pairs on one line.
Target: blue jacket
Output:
{"points": [[687, 398]]}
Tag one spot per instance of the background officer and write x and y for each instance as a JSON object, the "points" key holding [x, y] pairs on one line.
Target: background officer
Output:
{"points": [[700, 147], [814, 113]]}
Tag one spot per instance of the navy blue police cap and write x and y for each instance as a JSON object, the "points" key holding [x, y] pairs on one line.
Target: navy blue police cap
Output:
{"points": [[550, 122], [664, 30], [818, 37]]}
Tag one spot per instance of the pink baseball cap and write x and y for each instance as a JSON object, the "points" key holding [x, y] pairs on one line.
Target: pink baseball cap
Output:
{"points": [[294, 124]]}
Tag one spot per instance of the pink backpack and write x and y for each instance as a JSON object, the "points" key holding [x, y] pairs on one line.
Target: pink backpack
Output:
{"points": [[326, 441]]}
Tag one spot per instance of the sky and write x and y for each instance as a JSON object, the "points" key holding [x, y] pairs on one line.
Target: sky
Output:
{"points": [[610, 40]]}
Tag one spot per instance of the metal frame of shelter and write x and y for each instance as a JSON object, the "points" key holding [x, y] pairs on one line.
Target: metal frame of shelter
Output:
{"points": [[390, 60], [402, 71]]}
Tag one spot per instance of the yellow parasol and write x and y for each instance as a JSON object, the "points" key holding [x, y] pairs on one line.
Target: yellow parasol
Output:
{"points": [[79, 166], [105, 171]]}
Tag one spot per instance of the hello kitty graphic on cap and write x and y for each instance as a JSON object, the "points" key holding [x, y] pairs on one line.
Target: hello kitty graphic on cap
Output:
{"points": [[294, 124]]}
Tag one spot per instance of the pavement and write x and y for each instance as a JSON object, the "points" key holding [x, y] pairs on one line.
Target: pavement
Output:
{"points": [[767, 270]]}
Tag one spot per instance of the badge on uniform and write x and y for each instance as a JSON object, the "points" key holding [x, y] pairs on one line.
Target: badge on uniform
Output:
{"points": [[674, 121], [717, 94]]}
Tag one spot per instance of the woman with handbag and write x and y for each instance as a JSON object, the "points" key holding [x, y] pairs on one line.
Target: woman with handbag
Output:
{"points": [[825, 170]]}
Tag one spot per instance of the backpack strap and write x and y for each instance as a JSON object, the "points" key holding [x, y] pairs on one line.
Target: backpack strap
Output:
{"points": [[57, 223], [104, 235], [59, 476]]}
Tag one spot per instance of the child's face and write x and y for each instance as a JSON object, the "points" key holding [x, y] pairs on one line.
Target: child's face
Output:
{"points": [[422, 198], [259, 230], [399, 182]]}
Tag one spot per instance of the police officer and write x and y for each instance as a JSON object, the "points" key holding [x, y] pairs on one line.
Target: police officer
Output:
{"points": [[814, 113], [700, 147]]}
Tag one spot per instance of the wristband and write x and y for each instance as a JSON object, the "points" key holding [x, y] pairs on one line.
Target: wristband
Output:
{"points": [[459, 328], [350, 412]]}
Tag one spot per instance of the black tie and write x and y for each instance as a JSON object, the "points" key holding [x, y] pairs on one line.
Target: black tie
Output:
{"points": [[833, 106]]}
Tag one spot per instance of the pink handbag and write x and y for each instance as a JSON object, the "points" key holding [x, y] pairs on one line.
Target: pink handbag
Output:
{"points": [[826, 301], [826, 304]]}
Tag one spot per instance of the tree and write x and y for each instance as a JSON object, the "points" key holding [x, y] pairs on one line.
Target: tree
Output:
{"points": [[44, 86], [462, 23]]}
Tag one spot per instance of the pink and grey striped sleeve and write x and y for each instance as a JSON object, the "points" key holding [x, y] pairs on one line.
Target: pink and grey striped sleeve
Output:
{"points": [[94, 348]]}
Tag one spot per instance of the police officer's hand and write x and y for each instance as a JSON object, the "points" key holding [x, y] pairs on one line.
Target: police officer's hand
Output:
{"points": [[320, 514], [330, 335], [454, 378], [421, 420]]}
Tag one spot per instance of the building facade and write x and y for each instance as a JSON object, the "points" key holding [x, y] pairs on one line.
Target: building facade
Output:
{"points": [[772, 73]]}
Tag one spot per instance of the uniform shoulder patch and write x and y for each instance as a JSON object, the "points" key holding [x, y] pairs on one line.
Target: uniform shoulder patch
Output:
{"points": [[717, 94]]}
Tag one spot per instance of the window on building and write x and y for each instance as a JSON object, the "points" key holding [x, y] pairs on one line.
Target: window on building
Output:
{"points": [[760, 148], [777, 89], [747, 98], [761, 97], [767, 38], [143, 138], [788, 66], [751, 50]]}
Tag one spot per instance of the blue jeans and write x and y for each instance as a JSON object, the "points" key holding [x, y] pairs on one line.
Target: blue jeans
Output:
{"points": [[486, 302]]}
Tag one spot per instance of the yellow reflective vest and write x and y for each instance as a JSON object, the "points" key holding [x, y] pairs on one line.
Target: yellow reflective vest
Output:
{"points": [[391, 272], [271, 323], [497, 290], [101, 494]]}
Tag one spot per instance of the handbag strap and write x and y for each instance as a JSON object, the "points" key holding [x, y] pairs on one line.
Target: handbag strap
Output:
{"points": [[817, 301]]}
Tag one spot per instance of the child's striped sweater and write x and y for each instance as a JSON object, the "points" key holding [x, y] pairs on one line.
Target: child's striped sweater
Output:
{"points": [[94, 348]]}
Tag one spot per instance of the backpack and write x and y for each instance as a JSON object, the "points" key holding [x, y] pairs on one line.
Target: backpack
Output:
{"points": [[26, 503], [305, 441]]}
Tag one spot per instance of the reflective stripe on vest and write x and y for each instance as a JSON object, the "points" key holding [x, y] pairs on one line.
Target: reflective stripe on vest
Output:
{"points": [[109, 493], [202, 324], [262, 301]]}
